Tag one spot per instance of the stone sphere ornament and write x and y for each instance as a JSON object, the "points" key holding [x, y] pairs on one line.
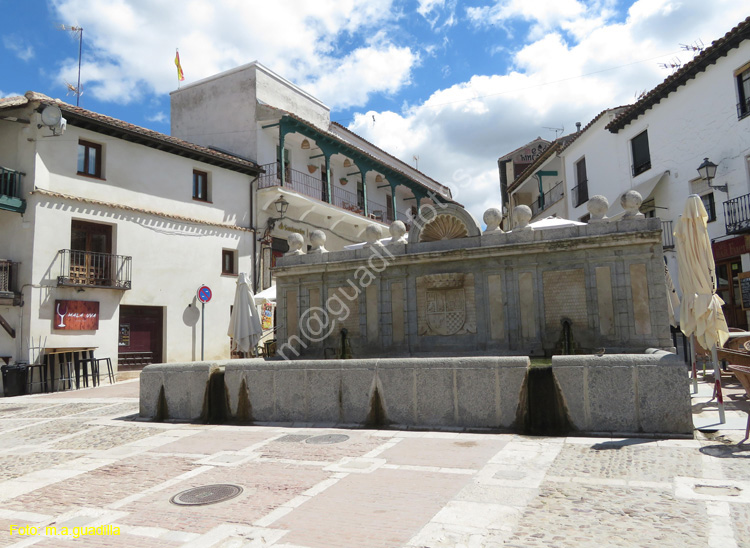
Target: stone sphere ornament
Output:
{"points": [[522, 216], [598, 206], [318, 241], [631, 201], [373, 235], [398, 233], [492, 218], [296, 243]]}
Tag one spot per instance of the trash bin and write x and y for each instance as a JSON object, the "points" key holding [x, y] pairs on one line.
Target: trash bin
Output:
{"points": [[14, 379]]}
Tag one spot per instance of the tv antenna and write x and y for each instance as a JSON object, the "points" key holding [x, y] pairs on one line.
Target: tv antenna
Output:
{"points": [[555, 129], [416, 162], [76, 31], [672, 65], [695, 48]]}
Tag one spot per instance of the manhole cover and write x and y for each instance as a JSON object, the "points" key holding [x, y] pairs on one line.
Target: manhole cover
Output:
{"points": [[327, 439], [292, 438], [207, 494]]}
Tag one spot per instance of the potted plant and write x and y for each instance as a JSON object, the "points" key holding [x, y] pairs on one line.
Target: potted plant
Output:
{"points": [[343, 181], [312, 168]]}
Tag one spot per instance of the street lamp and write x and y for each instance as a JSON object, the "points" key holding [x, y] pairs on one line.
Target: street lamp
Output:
{"points": [[281, 204], [707, 171]]}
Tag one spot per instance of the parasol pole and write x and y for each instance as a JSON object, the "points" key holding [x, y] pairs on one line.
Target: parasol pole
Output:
{"points": [[717, 384], [693, 364]]}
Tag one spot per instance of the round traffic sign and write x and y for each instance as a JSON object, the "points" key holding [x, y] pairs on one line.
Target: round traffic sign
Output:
{"points": [[204, 294]]}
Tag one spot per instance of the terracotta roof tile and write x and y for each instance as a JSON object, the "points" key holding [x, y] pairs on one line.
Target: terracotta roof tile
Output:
{"points": [[719, 48], [106, 124]]}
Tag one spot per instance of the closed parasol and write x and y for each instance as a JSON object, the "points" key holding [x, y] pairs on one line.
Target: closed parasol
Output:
{"points": [[701, 315], [244, 325]]}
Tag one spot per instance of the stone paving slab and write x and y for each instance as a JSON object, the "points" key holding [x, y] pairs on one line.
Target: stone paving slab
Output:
{"points": [[91, 464]]}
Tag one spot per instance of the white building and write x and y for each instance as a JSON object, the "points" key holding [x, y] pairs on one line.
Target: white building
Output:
{"points": [[107, 230], [655, 146], [333, 179]]}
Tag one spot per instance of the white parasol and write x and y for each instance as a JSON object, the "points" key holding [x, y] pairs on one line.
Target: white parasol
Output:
{"points": [[700, 312], [244, 325]]}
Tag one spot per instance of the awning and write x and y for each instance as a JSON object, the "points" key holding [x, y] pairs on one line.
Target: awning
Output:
{"points": [[646, 189]]}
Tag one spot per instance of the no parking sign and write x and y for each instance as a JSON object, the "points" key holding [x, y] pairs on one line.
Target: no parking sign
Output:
{"points": [[204, 294]]}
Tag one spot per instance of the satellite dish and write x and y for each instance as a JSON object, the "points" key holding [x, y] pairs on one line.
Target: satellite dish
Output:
{"points": [[51, 116]]}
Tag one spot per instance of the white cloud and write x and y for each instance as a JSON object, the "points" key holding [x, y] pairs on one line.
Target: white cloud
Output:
{"points": [[459, 132], [17, 45], [159, 117], [129, 45], [428, 6]]}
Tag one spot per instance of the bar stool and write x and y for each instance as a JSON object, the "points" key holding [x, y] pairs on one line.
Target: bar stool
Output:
{"points": [[41, 368], [67, 369], [94, 362]]}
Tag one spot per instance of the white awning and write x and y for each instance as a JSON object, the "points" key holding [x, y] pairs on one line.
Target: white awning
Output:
{"points": [[645, 189]]}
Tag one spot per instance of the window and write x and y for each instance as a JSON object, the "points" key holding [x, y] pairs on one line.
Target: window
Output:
{"points": [[641, 155], [200, 185], [89, 159], [710, 205], [228, 261], [743, 91], [581, 191], [90, 253]]}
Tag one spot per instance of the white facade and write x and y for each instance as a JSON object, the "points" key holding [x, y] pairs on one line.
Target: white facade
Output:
{"points": [[163, 244], [698, 112], [249, 111]]}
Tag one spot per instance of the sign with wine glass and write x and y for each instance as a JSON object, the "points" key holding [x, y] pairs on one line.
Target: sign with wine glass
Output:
{"points": [[76, 315]]}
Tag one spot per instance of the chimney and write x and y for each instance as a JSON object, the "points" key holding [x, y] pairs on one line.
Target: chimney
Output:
{"points": [[578, 127]]}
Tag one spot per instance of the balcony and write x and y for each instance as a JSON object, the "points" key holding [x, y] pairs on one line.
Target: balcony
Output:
{"points": [[10, 292], [737, 214], [743, 109], [551, 197], [10, 191], [313, 187], [581, 193], [667, 235], [95, 270]]}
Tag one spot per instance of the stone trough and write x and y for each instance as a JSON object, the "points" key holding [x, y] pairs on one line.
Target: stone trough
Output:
{"points": [[626, 394]]}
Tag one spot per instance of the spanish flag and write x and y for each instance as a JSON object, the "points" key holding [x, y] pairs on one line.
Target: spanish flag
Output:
{"points": [[180, 75]]}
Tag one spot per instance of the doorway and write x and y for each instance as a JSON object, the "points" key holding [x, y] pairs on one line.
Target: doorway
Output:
{"points": [[141, 336], [728, 288]]}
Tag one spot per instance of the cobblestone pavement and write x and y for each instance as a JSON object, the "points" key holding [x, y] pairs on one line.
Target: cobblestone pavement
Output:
{"points": [[76, 460]]}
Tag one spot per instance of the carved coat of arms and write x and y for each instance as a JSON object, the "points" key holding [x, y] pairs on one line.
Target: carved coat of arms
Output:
{"points": [[447, 304]]}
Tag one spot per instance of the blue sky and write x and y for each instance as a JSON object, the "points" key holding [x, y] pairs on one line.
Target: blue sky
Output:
{"points": [[457, 84]]}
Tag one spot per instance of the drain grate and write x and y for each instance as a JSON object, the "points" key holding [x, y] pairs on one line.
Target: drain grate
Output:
{"points": [[327, 439], [292, 438], [207, 494]]}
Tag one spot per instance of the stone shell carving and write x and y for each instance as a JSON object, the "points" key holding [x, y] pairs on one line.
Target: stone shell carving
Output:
{"points": [[444, 227], [451, 280], [430, 212]]}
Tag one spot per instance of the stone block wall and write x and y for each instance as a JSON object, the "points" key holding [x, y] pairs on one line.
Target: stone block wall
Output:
{"points": [[499, 293]]}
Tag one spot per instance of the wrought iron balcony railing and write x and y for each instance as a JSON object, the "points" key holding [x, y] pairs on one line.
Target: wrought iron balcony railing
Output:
{"points": [[737, 214], [743, 109], [87, 269], [10, 190], [581, 193], [8, 277], [551, 197], [313, 187]]}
